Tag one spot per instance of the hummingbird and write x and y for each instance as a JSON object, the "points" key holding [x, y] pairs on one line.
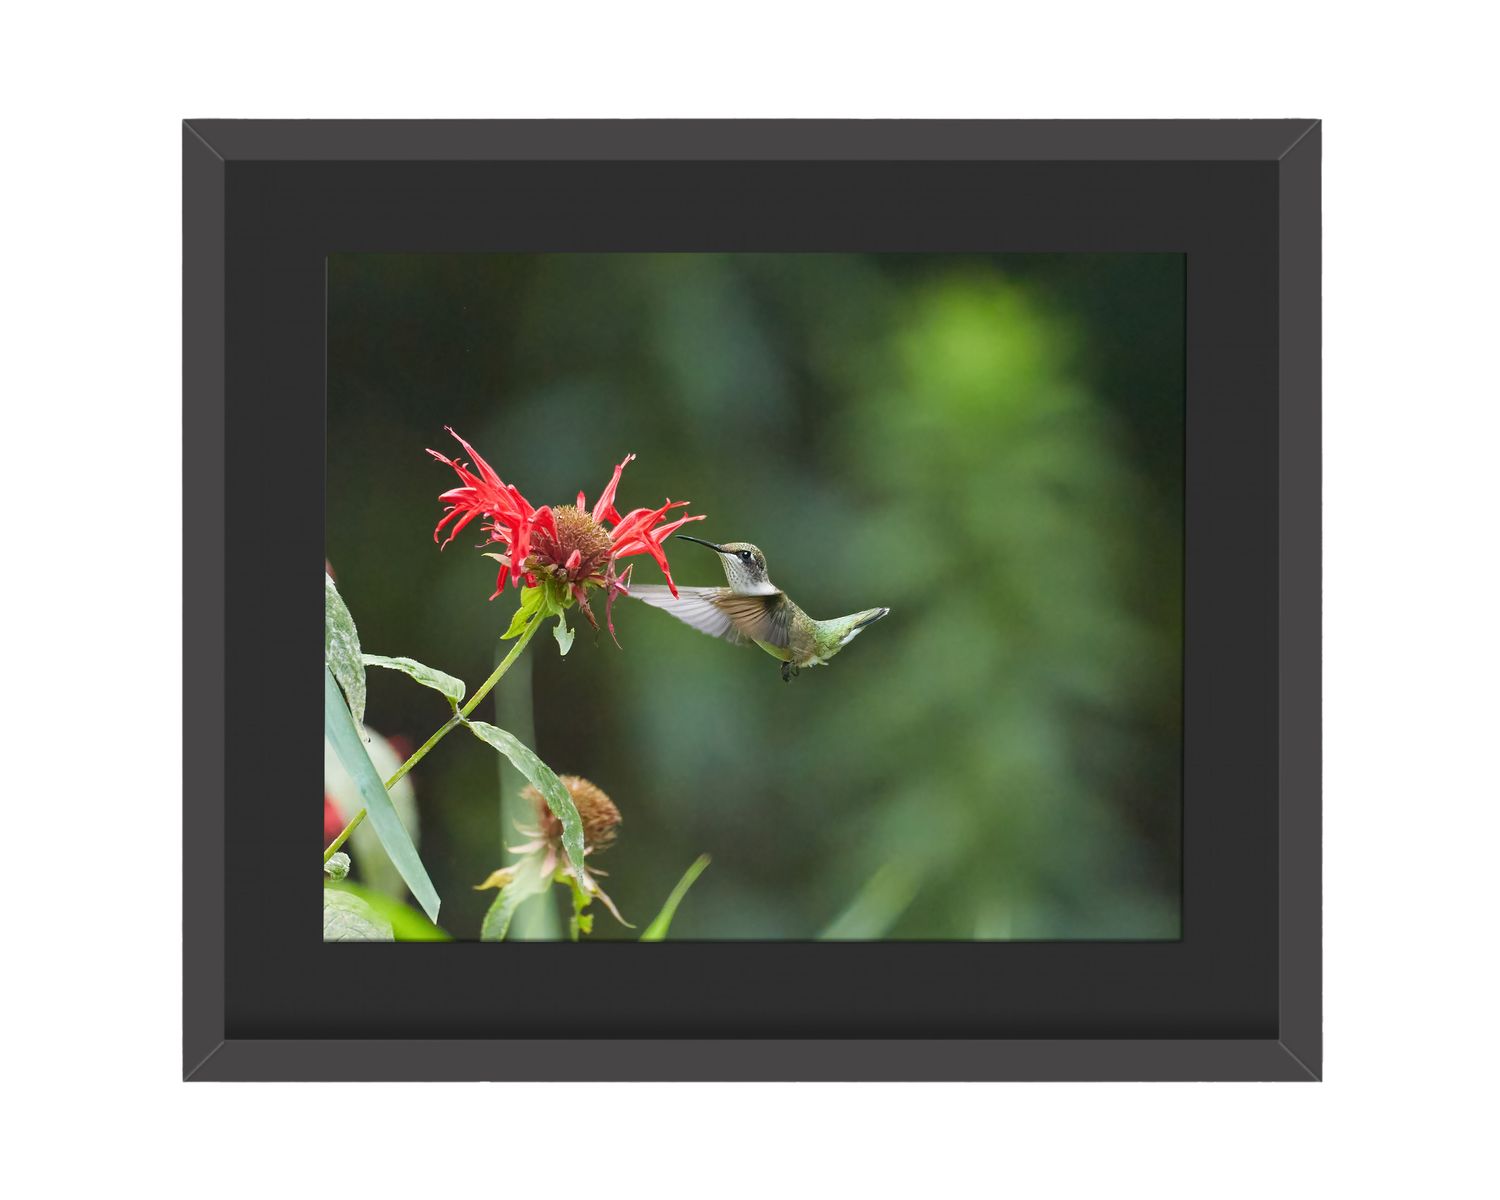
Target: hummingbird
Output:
{"points": [[754, 609]]}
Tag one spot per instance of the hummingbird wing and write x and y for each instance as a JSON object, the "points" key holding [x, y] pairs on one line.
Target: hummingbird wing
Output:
{"points": [[722, 613], [692, 606], [760, 618]]}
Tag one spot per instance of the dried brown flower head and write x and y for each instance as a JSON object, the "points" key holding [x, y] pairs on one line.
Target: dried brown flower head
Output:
{"points": [[601, 819]]}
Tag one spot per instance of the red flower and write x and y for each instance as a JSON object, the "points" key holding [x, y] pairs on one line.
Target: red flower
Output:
{"points": [[570, 543]]}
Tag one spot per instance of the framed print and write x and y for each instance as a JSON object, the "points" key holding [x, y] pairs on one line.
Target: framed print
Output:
{"points": [[876, 563]]}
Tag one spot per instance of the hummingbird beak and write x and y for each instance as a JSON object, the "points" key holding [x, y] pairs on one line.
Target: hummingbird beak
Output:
{"points": [[701, 542]]}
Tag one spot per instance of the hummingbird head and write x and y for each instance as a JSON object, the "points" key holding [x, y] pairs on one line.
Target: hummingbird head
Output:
{"points": [[744, 566]]}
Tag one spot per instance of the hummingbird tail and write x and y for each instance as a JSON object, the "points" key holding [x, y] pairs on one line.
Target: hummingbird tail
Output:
{"points": [[843, 630]]}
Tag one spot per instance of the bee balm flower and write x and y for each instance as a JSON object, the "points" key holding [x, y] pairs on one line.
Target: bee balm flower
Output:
{"points": [[573, 544]]}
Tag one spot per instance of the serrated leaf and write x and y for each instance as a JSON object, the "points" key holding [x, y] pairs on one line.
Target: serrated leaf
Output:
{"points": [[347, 918], [341, 649], [423, 674], [563, 634], [526, 882], [540, 776], [657, 930], [532, 599], [338, 728], [407, 924]]}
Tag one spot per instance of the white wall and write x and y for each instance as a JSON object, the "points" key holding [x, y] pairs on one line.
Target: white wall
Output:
{"points": [[93, 96]]}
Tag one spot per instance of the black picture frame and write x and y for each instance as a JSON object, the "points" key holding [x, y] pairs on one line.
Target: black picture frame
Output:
{"points": [[1238, 997]]}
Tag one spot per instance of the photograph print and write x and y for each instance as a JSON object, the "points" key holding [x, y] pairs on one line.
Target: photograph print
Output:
{"points": [[758, 597]]}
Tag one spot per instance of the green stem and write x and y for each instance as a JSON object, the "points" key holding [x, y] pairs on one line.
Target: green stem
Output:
{"points": [[459, 718], [580, 902], [495, 675], [333, 846], [421, 751]]}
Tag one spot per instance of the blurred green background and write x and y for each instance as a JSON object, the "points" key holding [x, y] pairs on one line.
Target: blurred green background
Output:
{"points": [[990, 445]]}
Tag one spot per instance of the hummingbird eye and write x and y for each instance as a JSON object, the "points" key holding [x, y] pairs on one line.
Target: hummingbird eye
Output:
{"points": [[745, 555]]}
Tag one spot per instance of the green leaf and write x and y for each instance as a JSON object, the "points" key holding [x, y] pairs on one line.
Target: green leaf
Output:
{"points": [[341, 649], [532, 599], [337, 867], [878, 906], [563, 634], [528, 882], [540, 776], [375, 867], [347, 918], [407, 924], [338, 728], [423, 674], [657, 930]]}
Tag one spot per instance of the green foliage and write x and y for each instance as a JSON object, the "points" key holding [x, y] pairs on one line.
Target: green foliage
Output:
{"points": [[563, 634], [375, 867], [548, 599], [337, 866], [526, 881], [341, 649], [1059, 611], [527, 611], [340, 732], [427, 676], [541, 777], [537, 604], [657, 930], [348, 918], [513, 711], [406, 923], [582, 921]]}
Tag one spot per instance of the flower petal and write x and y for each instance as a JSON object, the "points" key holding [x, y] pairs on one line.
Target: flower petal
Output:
{"points": [[610, 904], [614, 585], [490, 476], [604, 507], [635, 535], [583, 603], [484, 494]]}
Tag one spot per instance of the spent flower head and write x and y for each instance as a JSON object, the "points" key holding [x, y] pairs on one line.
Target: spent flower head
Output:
{"points": [[601, 823], [574, 545], [600, 817]]}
